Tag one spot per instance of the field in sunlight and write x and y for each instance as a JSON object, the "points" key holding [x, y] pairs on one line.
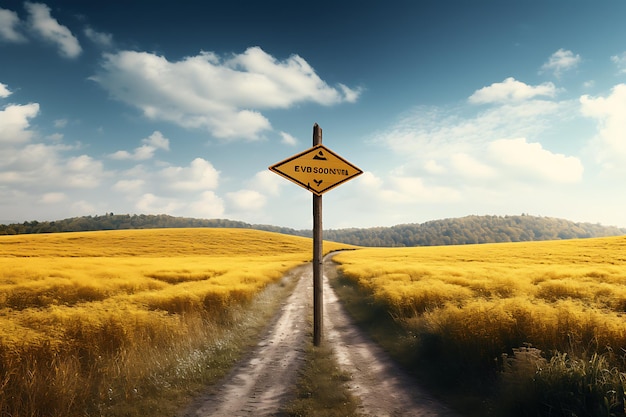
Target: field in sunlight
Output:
{"points": [[473, 304], [88, 318]]}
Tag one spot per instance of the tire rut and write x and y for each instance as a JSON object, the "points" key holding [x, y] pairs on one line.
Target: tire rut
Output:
{"points": [[264, 381], [383, 388]]}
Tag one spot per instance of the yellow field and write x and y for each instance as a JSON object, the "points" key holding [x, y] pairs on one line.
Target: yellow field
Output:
{"points": [[480, 301], [85, 318]]}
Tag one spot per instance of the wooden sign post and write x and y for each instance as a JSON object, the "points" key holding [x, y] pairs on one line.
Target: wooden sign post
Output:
{"points": [[317, 169], [318, 261]]}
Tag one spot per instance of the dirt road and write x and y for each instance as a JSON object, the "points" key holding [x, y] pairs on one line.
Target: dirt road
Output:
{"points": [[265, 379]]}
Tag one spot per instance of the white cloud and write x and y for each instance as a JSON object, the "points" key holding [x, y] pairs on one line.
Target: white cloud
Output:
{"points": [[146, 151], [267, 182], [38, 165], [55, 137], [288, 139], [468, 167], [369, 181], [82, 208], [104, 40], [620, 61], [83, 172], [53, 198], [351, 96], [60, 123], [430, 133], [121, 155], [560, 61], [14, 122], [454, 160], [401, 189], [609, 143], [200, 175], [49, 28], [9, 22], [4, 91], [433, 167], [208, 206], [414, 190], [511, 90], [531, 160], [150, 203], [129, 186], [223, 96], [157, 141], [247, 200], [589, 84]]}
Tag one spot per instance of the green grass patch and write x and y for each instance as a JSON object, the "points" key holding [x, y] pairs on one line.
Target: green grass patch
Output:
{"points": [[321, 389]]}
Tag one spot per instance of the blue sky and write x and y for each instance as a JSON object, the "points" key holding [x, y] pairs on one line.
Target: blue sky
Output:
{"points": [[450, 108]]}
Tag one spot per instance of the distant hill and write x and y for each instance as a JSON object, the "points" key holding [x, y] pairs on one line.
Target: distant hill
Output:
{"points": [[457, 231], [473, 229]]}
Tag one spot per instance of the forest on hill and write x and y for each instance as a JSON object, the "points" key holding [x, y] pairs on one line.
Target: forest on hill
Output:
{"points": [[455, 231]]}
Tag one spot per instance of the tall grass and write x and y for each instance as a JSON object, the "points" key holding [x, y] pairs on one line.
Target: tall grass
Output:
{"points": [[92, 321], [464, 307]]}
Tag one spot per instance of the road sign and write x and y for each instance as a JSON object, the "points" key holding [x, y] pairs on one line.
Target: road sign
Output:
{"points": [[317, 169]]}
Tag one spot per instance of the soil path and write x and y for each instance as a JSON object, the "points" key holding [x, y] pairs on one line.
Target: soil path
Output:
{"points": [[264, 380], [383, 388]]}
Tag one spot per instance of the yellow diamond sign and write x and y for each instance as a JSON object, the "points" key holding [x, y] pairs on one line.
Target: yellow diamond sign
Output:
{"points": [[317, 169]]}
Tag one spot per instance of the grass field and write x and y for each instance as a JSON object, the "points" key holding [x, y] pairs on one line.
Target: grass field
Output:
{"points": [[542, 322], [89, 321]]}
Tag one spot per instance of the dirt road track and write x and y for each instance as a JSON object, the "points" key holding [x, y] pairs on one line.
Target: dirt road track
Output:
{"points": [[383, 388], [265, 379]]}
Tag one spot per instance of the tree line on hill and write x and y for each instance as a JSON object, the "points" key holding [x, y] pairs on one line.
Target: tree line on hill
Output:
{"points": [[456, 231]]}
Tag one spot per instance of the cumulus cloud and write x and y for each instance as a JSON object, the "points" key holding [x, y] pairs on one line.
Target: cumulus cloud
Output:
{"points": [[449, 154], [128, 186], [404, 189], [83, 172], [532, 160], [222, 95], [53, 198], [561, 61], [247, 200], [104, 40], [9, 23], [42, 23], [30, 165], [610, 141], [433, 167], [208, 206], [150, 203], [39, 165], [55, 137], [432, 133], [288, 139], [511, 90], [415, 190], [267, 182], [199, 175], [146, 151], [469, 167], [60, 123], [15, 122], [369, 181], [4, 91], [620, 61]]}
